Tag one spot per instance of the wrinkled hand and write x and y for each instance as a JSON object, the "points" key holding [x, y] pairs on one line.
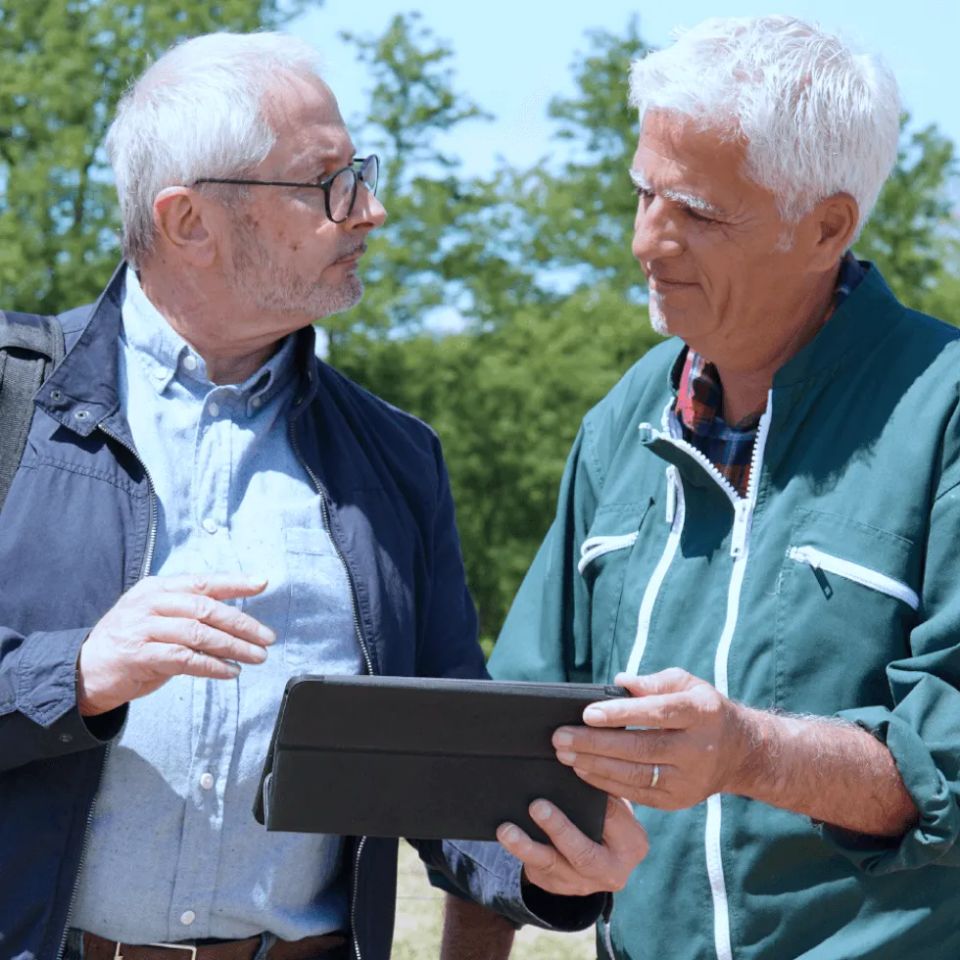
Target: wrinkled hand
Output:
{"points": [[696, 744], [575, 865], [165, 626]]}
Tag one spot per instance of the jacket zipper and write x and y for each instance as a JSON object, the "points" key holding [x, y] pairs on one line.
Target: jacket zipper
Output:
{"points": [[368, 663], [676, 512], [855, 572], [595, 547], [144, 570], [743, 508], [740, 550]]}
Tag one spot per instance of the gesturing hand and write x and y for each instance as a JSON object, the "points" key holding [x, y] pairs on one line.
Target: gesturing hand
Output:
{"points": [[165, 626], [574, 864], [694, 744]]}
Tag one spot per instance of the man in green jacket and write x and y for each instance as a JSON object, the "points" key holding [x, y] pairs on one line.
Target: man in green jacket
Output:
{"points": [[757, 532]]}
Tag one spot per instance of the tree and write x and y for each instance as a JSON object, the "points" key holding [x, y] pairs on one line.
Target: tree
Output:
{"points": [[419, 260], [583, 207], [63, 66], [912, 234], [507, 391]]}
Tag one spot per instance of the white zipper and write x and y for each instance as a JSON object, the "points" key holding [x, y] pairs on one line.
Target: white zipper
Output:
{"points": [[855, 572], [594, 547], [607, 939], [652, 591], [743, 508], [740, 550]]}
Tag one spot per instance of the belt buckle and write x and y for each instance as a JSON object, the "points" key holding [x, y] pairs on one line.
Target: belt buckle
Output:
{"points": [[166, 946]]}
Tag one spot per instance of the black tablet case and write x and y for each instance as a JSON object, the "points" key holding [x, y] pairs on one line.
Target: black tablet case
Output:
{"points": [[424, 758]]}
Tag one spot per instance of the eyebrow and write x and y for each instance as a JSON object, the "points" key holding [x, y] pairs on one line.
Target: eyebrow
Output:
{"points": [[691, 200], [314, 158]]}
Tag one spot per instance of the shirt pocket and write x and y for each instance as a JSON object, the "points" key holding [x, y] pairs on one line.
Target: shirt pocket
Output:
{"points": [[604, 558], [847, 600], [320, 630]]}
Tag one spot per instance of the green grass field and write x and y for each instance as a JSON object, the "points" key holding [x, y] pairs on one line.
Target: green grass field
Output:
{"points": [[419, 921]]}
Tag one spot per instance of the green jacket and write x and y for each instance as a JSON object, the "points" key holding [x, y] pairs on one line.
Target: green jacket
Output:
{"points": [[832, 588]]}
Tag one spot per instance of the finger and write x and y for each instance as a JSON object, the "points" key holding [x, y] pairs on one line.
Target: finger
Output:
{"points": [[637, 746], [671, 680], [170, 660], [537, 857], [674, 711], [214, 613], [623, 834], [659, 796], [630, 775], [202, 638], [588, 859], [220, 586]]}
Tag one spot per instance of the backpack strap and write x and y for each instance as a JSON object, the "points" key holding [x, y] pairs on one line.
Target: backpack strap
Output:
{"points": [[30, 347]]}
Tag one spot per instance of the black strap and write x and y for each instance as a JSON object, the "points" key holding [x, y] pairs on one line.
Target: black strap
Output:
{"points": [[30, 347]]}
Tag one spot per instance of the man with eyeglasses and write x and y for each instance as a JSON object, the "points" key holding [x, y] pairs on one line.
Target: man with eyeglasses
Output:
{"points": [[203, 510]]}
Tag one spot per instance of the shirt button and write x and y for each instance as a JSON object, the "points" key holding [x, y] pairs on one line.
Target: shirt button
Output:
{"points": [[190, 362], [210, 525], [187, 917], [213, 409], [206, 781], [255, 402]]}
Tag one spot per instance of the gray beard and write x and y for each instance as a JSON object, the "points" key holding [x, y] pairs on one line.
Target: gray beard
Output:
{"points": [[657, 320], [273, 286]]}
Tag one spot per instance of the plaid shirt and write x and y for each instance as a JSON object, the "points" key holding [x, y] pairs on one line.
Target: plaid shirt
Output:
{"points": [[700, 400]]}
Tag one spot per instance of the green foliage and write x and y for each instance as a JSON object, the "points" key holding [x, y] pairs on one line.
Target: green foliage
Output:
{"points": [[507, 392], [584, 207], [63, 66], [530, 269], [538, 264], [912, 235], [506, 404], [416, 262]]}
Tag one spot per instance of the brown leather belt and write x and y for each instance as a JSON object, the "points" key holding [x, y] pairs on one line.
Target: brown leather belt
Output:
{"points": [[325, 947]]}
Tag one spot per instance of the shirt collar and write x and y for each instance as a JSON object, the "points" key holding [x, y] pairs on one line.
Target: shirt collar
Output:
{"points": [[164, 354]]}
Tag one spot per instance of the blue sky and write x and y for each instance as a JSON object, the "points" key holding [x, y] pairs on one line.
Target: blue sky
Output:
{"points": [[512, 57]]}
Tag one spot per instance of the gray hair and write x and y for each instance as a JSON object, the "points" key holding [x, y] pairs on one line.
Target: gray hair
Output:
{"points": [[196, 112], [817, 117]]}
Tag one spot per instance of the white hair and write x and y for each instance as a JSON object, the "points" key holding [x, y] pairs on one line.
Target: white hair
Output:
{"points": [[818, 118], [196, 112]]}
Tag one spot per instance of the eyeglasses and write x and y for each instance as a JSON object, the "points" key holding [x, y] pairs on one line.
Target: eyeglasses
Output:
{"points": [[339, 189]]}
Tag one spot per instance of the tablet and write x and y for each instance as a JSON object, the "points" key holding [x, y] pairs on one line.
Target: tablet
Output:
{"points": [[423, 758]]}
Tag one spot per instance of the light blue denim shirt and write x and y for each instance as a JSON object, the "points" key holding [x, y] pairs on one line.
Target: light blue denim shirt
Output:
{"points": [[173, 851]]}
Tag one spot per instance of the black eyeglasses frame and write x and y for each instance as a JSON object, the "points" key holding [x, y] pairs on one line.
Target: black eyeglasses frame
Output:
{"points": [[325, 184]]}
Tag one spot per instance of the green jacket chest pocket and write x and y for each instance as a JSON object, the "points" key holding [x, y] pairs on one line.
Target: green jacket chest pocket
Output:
{"points": [[605, 557], [845, 608]]}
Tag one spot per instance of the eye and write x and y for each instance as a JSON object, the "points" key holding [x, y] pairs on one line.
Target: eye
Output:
{"points": [[642, 192], [694, 214]]}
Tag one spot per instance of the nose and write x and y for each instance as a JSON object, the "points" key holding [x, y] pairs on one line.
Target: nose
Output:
{"points": [[368, 212], [657, 233]]}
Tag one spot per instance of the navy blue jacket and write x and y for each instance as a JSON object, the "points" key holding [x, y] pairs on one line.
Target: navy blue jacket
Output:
{"points": [[77, 531]]}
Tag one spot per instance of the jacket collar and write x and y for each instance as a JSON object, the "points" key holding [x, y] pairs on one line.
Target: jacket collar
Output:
{"points": [[82, 392], [861, 319]]}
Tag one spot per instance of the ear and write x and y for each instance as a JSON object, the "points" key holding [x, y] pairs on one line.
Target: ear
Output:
{"points": [[183, 221], [835, 219]]}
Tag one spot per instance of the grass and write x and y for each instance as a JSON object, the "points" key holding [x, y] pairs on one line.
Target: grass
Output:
{"points": [[420, 920]]}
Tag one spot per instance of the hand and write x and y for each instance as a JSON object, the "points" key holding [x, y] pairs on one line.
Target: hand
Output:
{"points": [[696, 743], [575, 865], [165, 626]]}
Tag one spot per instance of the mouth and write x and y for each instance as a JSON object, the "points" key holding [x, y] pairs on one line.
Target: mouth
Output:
{"points": [[660, 287], [353, 256]]}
